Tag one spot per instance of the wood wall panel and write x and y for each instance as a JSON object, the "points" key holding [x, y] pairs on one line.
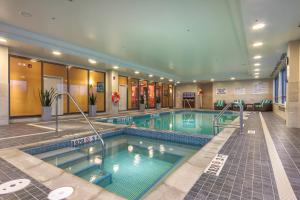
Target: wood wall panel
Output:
{"points": [[25, 84]]}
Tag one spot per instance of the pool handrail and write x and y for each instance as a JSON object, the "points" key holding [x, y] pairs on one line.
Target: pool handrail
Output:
{"points": [[88, 121], [188, 103], [216, 119]]}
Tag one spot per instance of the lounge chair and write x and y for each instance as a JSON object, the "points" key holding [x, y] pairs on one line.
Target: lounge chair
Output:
{"points": [[264, 105], [236, 107], [219, 104]]}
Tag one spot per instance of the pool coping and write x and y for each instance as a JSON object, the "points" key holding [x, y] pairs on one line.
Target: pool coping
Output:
{"points": [[175, 186]]}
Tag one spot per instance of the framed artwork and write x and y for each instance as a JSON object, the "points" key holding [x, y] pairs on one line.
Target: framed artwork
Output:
{"points": [[100, 86]]}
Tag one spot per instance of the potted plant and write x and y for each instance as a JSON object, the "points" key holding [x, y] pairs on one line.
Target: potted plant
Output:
{"points": [[158, 105], [92, 105], [47, 97], [142, 103]]}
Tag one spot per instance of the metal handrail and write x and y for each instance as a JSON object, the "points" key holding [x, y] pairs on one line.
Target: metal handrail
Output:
{"points": [[88, 121], [188, 103], [217, 118]]}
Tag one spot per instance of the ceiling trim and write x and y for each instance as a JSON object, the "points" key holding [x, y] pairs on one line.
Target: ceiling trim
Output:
{"points": [[19, 34]]}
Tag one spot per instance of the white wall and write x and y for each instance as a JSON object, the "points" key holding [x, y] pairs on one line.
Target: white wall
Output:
{"points": [[4, 86]]}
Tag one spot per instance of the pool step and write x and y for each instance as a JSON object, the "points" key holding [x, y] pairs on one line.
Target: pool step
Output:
{"points": [[50, 154], [95, 175], [66, 159], [79, 165]]}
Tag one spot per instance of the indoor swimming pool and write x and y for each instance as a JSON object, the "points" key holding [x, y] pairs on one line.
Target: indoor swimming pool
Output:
{"points": [[132, 164], [191, 122]]}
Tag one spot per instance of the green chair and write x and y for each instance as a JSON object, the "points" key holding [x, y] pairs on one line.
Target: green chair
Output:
{"points": [[264, 105], [219, 104], [236, 107]]}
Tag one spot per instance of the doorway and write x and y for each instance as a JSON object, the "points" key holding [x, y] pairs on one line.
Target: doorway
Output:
{"points": [[57, 84], [123, 97]]}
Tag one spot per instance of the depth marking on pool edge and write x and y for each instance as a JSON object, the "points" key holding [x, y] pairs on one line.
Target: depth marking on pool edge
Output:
{"points": [[216, 165]]}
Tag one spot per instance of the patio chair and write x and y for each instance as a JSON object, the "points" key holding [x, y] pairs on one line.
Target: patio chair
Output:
{"points": [[219, 104], [236, 107], [264, 105]]}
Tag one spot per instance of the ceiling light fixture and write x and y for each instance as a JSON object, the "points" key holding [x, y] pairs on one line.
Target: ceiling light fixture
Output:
{"points": [[256, 64], [257, 44], [92, 61], [2, 39], [258, 26], [256, 73], [162, 78], [178, 82], [257, 57], [171, 80], [232, 78], [57, 53], [256, 76], [212, 80], [256, 70], [194, 81], [136, 72], [116, 67], [150, 75]]}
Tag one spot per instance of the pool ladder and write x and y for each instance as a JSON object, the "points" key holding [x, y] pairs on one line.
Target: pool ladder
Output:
{"points": [[88, 121], [216, 120], [188, 103]]}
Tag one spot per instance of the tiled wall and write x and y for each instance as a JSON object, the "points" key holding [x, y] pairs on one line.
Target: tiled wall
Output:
{"points": [[251, 91]]}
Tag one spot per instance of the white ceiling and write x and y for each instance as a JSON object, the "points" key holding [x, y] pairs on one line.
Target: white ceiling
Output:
{"points": [[182, 40]]}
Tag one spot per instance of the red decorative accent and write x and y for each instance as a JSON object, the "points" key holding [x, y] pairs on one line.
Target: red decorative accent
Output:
{"points": [[115, 97]]}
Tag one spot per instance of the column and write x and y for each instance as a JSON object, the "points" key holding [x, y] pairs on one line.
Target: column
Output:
{"points": [[112, 86], [293, 85], [4, 86]]}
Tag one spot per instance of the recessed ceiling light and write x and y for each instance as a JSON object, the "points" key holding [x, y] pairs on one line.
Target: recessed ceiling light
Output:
{"points": [[178, 82], [162, 78], [2, 39], [116, 67], [257, 44], [256, 73], [256, 70], [57, 53], [256, 76], [171, 80], [136, 72], [212, 80], [258, 26], [150, 75], [92, 61], [232, 78], [256, 64], [194, 81], [257, 57]]}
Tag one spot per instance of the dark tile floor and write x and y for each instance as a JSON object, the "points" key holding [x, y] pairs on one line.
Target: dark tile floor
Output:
{"points": [[34, 190], [287, 143], [247, 173]]}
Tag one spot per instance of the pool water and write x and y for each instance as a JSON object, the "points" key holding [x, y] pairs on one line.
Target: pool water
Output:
{"points": [[185, 122], [132, 164]]}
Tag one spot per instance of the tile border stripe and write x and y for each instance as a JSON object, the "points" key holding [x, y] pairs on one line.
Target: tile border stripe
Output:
{"points": [[285, 190]]}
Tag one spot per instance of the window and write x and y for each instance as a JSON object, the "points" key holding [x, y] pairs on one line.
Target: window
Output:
{"points": [[276, 82], [97, 87], [78, 88], [283, 85], [133, 94]]}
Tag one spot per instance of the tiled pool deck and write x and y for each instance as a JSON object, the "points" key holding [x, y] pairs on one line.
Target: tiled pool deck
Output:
{"points": [[247, 173]]}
